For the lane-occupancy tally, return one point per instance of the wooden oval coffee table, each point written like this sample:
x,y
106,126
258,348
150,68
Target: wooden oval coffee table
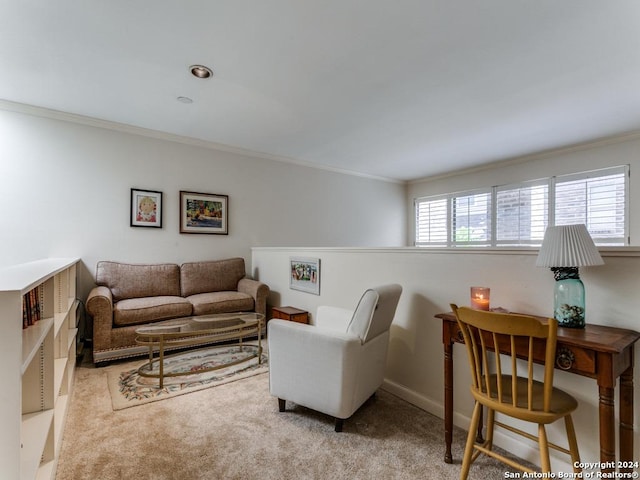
x,y
201,330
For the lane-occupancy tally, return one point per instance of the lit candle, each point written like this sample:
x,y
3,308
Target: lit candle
x,y
480,298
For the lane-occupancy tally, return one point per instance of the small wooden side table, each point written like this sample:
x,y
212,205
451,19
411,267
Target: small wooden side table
x,y
290,313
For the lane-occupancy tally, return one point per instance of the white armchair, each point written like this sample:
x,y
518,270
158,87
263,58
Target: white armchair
x,y
335,365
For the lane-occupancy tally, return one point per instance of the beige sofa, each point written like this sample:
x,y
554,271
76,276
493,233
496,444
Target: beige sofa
x,y
130,295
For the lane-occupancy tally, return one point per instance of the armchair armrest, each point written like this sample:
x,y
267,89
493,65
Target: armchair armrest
x,y
329,360
100,306
258,290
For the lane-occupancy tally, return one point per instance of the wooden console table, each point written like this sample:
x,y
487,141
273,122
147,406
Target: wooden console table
x,y
599,352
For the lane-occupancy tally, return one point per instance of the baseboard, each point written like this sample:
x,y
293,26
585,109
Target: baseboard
x,y
425,403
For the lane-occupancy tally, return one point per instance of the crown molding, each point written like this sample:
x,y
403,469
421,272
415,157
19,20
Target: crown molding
x,y
578,147
170,137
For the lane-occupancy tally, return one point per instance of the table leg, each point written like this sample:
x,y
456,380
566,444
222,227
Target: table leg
x,y
161,363
448,401
607,428
626,416
259,342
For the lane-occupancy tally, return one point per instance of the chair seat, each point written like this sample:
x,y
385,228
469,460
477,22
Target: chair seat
x,y
561,402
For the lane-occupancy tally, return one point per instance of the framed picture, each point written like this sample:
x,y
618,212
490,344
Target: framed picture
x,y
305,274
146,208
204,213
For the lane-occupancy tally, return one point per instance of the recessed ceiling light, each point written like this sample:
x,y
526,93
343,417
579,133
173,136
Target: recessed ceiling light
x,y
184,100
200,71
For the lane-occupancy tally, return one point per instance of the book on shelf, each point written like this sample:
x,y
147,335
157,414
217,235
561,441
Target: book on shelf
x,y
31,311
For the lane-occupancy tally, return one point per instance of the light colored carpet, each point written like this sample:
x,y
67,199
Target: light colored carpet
x,y
234,431
129,389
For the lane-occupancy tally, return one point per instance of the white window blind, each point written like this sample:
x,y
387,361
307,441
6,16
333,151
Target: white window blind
x,y
522,213
597,199
471,216
432,222
518,214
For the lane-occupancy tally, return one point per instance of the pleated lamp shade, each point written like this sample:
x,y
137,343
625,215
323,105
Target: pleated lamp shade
x,y
568,246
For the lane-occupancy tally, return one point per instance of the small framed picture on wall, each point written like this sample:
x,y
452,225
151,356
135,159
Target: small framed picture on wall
x,y
146,208
304,274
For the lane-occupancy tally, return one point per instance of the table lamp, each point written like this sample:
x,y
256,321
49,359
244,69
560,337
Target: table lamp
x,y
564,249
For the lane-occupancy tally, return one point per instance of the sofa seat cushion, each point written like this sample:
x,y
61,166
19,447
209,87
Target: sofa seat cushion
x,y
221,302
134,311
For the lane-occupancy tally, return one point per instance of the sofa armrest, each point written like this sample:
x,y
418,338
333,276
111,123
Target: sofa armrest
x,y
100,306
258,290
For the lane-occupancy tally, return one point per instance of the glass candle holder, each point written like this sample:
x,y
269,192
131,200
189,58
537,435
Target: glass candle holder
x,y
480,297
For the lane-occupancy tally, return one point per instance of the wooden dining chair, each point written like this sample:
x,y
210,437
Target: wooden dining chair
x,y
504,384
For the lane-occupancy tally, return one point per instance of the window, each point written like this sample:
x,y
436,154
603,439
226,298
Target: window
x,y
432,222
522,213
598,201
471,216
454,220
518,215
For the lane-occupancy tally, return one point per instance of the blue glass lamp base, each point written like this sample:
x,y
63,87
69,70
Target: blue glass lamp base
x,y
569,302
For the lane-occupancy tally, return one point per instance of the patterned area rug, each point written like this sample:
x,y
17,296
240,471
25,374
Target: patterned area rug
x,y
128,388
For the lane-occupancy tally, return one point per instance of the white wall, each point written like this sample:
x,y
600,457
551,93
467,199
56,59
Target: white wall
x,y
431,280
66,192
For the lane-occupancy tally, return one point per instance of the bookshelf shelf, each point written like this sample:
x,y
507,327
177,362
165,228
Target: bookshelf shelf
x,y
35,428
38,329
32,338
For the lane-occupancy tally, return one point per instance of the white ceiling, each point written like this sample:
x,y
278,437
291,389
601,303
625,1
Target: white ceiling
x,y
396,89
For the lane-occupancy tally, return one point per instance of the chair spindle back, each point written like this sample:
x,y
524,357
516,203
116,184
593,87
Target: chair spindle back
x,y
492,335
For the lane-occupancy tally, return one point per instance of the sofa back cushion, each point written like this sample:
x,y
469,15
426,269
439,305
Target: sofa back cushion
x,y
211,276
126,280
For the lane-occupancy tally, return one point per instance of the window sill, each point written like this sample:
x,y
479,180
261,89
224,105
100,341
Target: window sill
x,y
628,251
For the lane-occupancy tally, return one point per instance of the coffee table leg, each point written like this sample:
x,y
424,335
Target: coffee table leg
x,y
260,342
161,362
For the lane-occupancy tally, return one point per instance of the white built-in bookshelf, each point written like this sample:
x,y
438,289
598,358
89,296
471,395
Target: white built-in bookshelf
x,y
38,329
